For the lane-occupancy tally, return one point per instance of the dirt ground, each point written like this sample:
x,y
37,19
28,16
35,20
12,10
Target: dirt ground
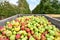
x,y
53,15
57,16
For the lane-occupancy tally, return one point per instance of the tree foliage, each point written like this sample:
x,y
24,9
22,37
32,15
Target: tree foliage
x,y
23,6
47,6
7,9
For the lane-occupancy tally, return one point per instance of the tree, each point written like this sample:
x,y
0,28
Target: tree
x,y
23,6
7,9
36,10
48,6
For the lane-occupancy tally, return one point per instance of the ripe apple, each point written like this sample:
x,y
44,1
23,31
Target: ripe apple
x,y
31,38
26,18
15,23
2,28
4,32
14,32
46,32
12,37
27,29
18,36
10,26
22,28
28,35
22,23
8,33
17,20
32,32
6,39
16,28
43,37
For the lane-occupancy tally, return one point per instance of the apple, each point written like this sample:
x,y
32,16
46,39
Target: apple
x,y
12,37
22,28
22,36
18,39
18,36
32,32
51,32
6,39
43,37
31,38
17,20
27,29
4,33
10,26
16,28
28,35
8,33
22,23
49,39
26,18
24,39
46,32
12,29
2,28
15,23
14,32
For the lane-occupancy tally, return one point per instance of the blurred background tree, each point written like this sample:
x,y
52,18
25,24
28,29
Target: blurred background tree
x,y
44,7
7,9
48,6
23,6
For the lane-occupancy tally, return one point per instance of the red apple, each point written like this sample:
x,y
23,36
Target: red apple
x,y
46,32
3,38
28,35
3,33
37,38
18,36
22,24
17,20
10,25
2,28
22,28
32,32
27,29
6,39
27,18
43,37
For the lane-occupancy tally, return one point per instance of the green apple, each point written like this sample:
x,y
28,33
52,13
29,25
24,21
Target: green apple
x,y
22,36
22,32
49,39
49,26
12,29
31,38
18,39
52,37
47,35
15,23
51,32
8,33
12,37
24,39
58,38
14,32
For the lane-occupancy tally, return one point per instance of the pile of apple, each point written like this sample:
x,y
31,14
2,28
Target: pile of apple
x,y
29,28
